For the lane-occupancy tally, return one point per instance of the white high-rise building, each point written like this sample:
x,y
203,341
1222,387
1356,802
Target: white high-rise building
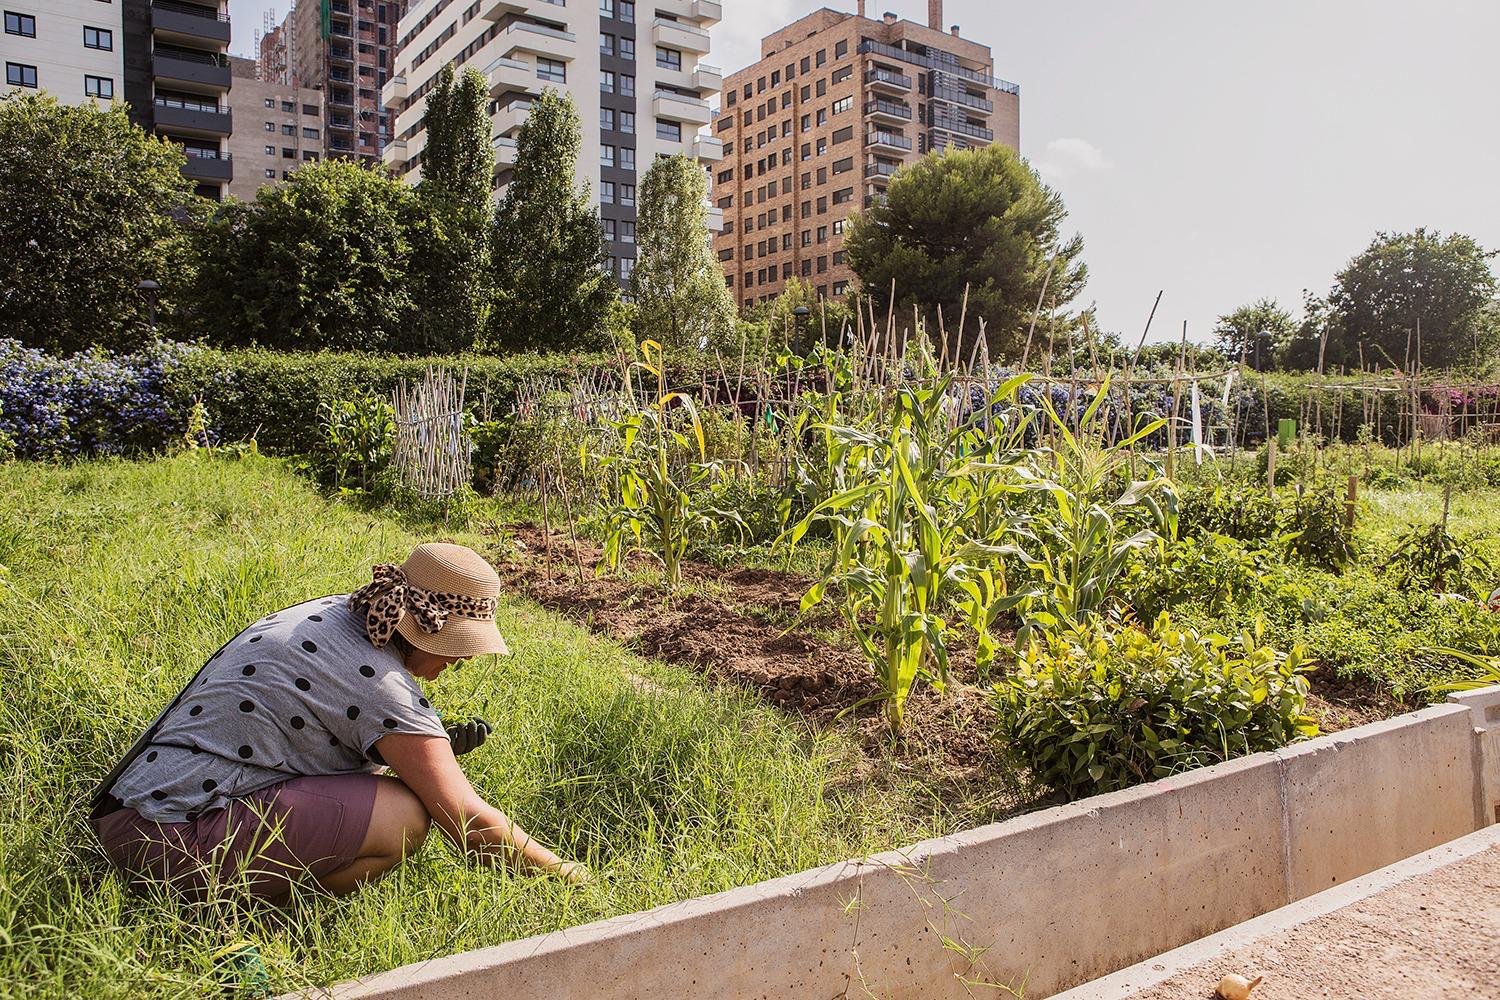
x,y
73,49
633,69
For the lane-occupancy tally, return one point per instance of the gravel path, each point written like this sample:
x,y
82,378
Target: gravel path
x,y
1433,936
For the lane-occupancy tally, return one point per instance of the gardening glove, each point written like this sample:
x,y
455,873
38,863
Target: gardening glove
x,y
468,736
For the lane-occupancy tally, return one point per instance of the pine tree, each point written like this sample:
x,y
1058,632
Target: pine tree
x,y
547,248
450,229
678,285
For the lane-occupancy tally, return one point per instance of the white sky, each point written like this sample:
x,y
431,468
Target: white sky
x,y
1219,151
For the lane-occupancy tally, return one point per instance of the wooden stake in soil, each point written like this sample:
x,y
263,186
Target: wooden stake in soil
x,y
1271,465
1351,502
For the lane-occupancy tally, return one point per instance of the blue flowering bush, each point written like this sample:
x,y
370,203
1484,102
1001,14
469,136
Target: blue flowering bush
x,y
90,403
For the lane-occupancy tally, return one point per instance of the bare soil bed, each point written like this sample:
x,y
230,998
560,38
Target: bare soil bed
x,y
741,626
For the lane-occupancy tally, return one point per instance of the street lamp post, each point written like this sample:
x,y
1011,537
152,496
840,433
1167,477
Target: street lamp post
x,y
149,290
1260,338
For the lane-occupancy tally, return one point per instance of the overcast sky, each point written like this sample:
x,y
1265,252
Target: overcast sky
x,y
1220,151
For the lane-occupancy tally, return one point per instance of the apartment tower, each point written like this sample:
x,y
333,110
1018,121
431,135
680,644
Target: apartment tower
x,y
177,81
836,105
70,48
632,69
280,127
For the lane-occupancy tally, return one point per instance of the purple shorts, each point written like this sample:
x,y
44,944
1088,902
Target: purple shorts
x,y
260,845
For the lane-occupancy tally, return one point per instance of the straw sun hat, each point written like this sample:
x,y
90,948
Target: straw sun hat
x,y
442,600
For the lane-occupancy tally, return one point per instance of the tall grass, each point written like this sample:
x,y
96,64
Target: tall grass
x,y
119,578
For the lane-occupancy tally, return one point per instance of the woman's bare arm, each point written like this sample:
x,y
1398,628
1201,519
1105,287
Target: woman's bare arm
x,y
427,766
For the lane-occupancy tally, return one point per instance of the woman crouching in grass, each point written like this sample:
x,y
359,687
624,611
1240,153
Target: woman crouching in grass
x,y
263,771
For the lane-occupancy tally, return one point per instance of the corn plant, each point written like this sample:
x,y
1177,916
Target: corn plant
x,y
1079,533
656,502
902,545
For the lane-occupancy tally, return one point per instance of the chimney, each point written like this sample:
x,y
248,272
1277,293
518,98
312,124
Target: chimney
x,y
935,14
888,17
954,30
861,8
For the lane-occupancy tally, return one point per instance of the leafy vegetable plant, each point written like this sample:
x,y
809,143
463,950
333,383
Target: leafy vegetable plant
x,y
1091,709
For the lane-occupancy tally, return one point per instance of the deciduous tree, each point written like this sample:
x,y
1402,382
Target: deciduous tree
x,y
1238,335
978,219
88,209
549,261
678,284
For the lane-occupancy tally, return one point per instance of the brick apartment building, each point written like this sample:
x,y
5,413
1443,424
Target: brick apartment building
x,y
814,131
344,48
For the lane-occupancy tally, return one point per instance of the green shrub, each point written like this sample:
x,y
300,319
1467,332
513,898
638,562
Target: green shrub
x,y
1093,709
274,396
1214,570
1310,525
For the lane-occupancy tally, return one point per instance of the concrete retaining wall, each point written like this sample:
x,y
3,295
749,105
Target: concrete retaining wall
x,y
1045,901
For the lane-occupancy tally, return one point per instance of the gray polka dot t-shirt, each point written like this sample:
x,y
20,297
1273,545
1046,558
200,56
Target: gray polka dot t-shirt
x,y
300,692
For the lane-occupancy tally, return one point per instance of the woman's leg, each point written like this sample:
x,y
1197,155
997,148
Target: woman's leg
x,y
398,825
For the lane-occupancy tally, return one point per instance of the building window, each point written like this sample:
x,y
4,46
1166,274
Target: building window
x,y
309,154
668,58
842,104
842,74
270,173
843,135
607,155
609,229
551,70
287,129
627,49
627,194
606,192
841,49
627,85
309,133
627,158
270,150
627,11
838,227
271,103
843,166
270,126
627,231
310,109
822,56
99,86
627,268
606,82
606,8
289,107
20,24
98,38
606,119
288,153
20,75
627,122
607,44
669,131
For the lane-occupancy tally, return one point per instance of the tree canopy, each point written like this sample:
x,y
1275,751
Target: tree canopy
x,y
1239,335
979,219
1402,279
678,285
554,291
87,206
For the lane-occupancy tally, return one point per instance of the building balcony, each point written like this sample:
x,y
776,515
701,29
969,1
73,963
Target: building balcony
x,y
497,10
395,91
888,140
189,22
955,95
341,123
715,220
680,108
340,54
208,169
965,129
679,35
888,112
509,119
885,80
199,121
879,172
505,151
700,12
706,149
195,69
512,76
539,39
702,79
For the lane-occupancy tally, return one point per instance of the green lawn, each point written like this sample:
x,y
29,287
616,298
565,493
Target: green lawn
x,y
118,578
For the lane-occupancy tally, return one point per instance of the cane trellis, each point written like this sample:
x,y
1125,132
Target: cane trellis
x,y
433,447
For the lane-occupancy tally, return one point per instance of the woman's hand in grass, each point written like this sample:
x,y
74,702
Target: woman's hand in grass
x,y
427,766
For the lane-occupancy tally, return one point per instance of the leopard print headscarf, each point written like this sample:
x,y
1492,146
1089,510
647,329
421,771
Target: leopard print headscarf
x,y
390,593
